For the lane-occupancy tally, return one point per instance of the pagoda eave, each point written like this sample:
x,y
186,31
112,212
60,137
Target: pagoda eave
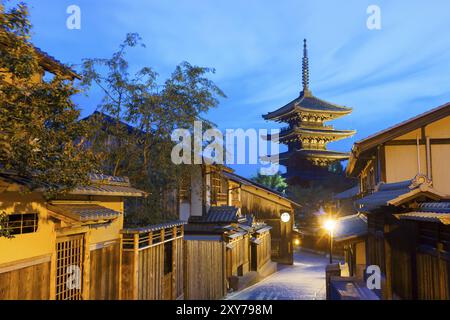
x,y
310,153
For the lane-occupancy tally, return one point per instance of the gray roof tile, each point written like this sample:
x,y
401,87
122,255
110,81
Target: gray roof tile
x,y
350,227
84,212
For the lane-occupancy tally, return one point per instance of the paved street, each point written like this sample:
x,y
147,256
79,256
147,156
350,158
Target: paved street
x,y
305,280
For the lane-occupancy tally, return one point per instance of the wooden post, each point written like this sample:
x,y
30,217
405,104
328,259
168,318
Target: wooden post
x,y
387,262
52,293
443,273
86,266
174,265
120,267
161,269
135,279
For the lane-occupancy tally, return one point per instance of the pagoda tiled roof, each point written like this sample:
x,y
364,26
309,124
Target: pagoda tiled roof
x,y
308,103
313,153
319,131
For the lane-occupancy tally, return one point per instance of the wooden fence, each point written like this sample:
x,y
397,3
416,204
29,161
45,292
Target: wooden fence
x,y
152,262
105,272
18,280
238,256
261,249
205,265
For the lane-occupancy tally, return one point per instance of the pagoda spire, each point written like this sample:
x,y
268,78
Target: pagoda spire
x,y
305,71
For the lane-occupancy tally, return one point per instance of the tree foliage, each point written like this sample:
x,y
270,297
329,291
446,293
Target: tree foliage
x,y
275,182
40,133
137,116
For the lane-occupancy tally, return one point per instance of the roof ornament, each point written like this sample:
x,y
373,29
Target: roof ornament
x,y
421,180
305,71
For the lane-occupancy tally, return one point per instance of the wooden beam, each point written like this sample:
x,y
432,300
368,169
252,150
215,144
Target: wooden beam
x,y
86,267
24,263
413,142
383,162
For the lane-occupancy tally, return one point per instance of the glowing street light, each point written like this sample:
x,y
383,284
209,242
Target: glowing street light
x,y
330,226
285,217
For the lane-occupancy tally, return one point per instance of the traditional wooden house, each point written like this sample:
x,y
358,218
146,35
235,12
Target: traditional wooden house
x,y
212,186
68,247
235,250
404,181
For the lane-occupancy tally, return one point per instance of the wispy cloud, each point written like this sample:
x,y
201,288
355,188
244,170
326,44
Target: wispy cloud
x,y
386,76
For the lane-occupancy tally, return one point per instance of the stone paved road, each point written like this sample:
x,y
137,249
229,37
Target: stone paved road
x,y
304,280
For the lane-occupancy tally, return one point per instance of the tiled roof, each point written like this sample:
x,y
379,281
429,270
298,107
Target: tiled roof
x,y
155,227
223,214
305,153
347,194
100,185
307,103
48,62
350,227
263,229
109,180
398,193
438,207
316,131
429,211
385,193
84,212
108,185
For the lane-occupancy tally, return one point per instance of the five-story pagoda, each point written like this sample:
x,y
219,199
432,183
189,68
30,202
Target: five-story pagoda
x,y
308,158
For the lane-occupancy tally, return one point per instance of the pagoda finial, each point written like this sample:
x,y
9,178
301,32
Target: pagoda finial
x,y
305,70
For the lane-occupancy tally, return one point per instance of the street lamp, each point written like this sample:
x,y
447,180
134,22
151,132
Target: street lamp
x,y
285,217
330,225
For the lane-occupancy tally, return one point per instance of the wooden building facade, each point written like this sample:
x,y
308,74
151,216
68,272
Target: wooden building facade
x,y
228,250
65,248
404,191
216,186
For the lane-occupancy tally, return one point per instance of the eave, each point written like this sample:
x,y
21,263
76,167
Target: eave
x,y
364,146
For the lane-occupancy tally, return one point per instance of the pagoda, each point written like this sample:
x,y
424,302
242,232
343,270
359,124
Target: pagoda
x,y
307,135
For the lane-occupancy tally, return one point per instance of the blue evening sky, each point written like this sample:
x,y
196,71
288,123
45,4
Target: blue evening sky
x,y
386,75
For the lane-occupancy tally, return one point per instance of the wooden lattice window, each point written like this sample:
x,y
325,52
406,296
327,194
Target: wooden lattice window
x,y
69,267
219,188
22,223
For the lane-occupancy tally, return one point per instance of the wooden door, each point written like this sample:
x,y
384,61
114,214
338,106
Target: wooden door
x,y
168,286
69,267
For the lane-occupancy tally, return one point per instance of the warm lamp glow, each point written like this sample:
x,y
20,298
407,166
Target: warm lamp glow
x,y
296,242
285,217
330,225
